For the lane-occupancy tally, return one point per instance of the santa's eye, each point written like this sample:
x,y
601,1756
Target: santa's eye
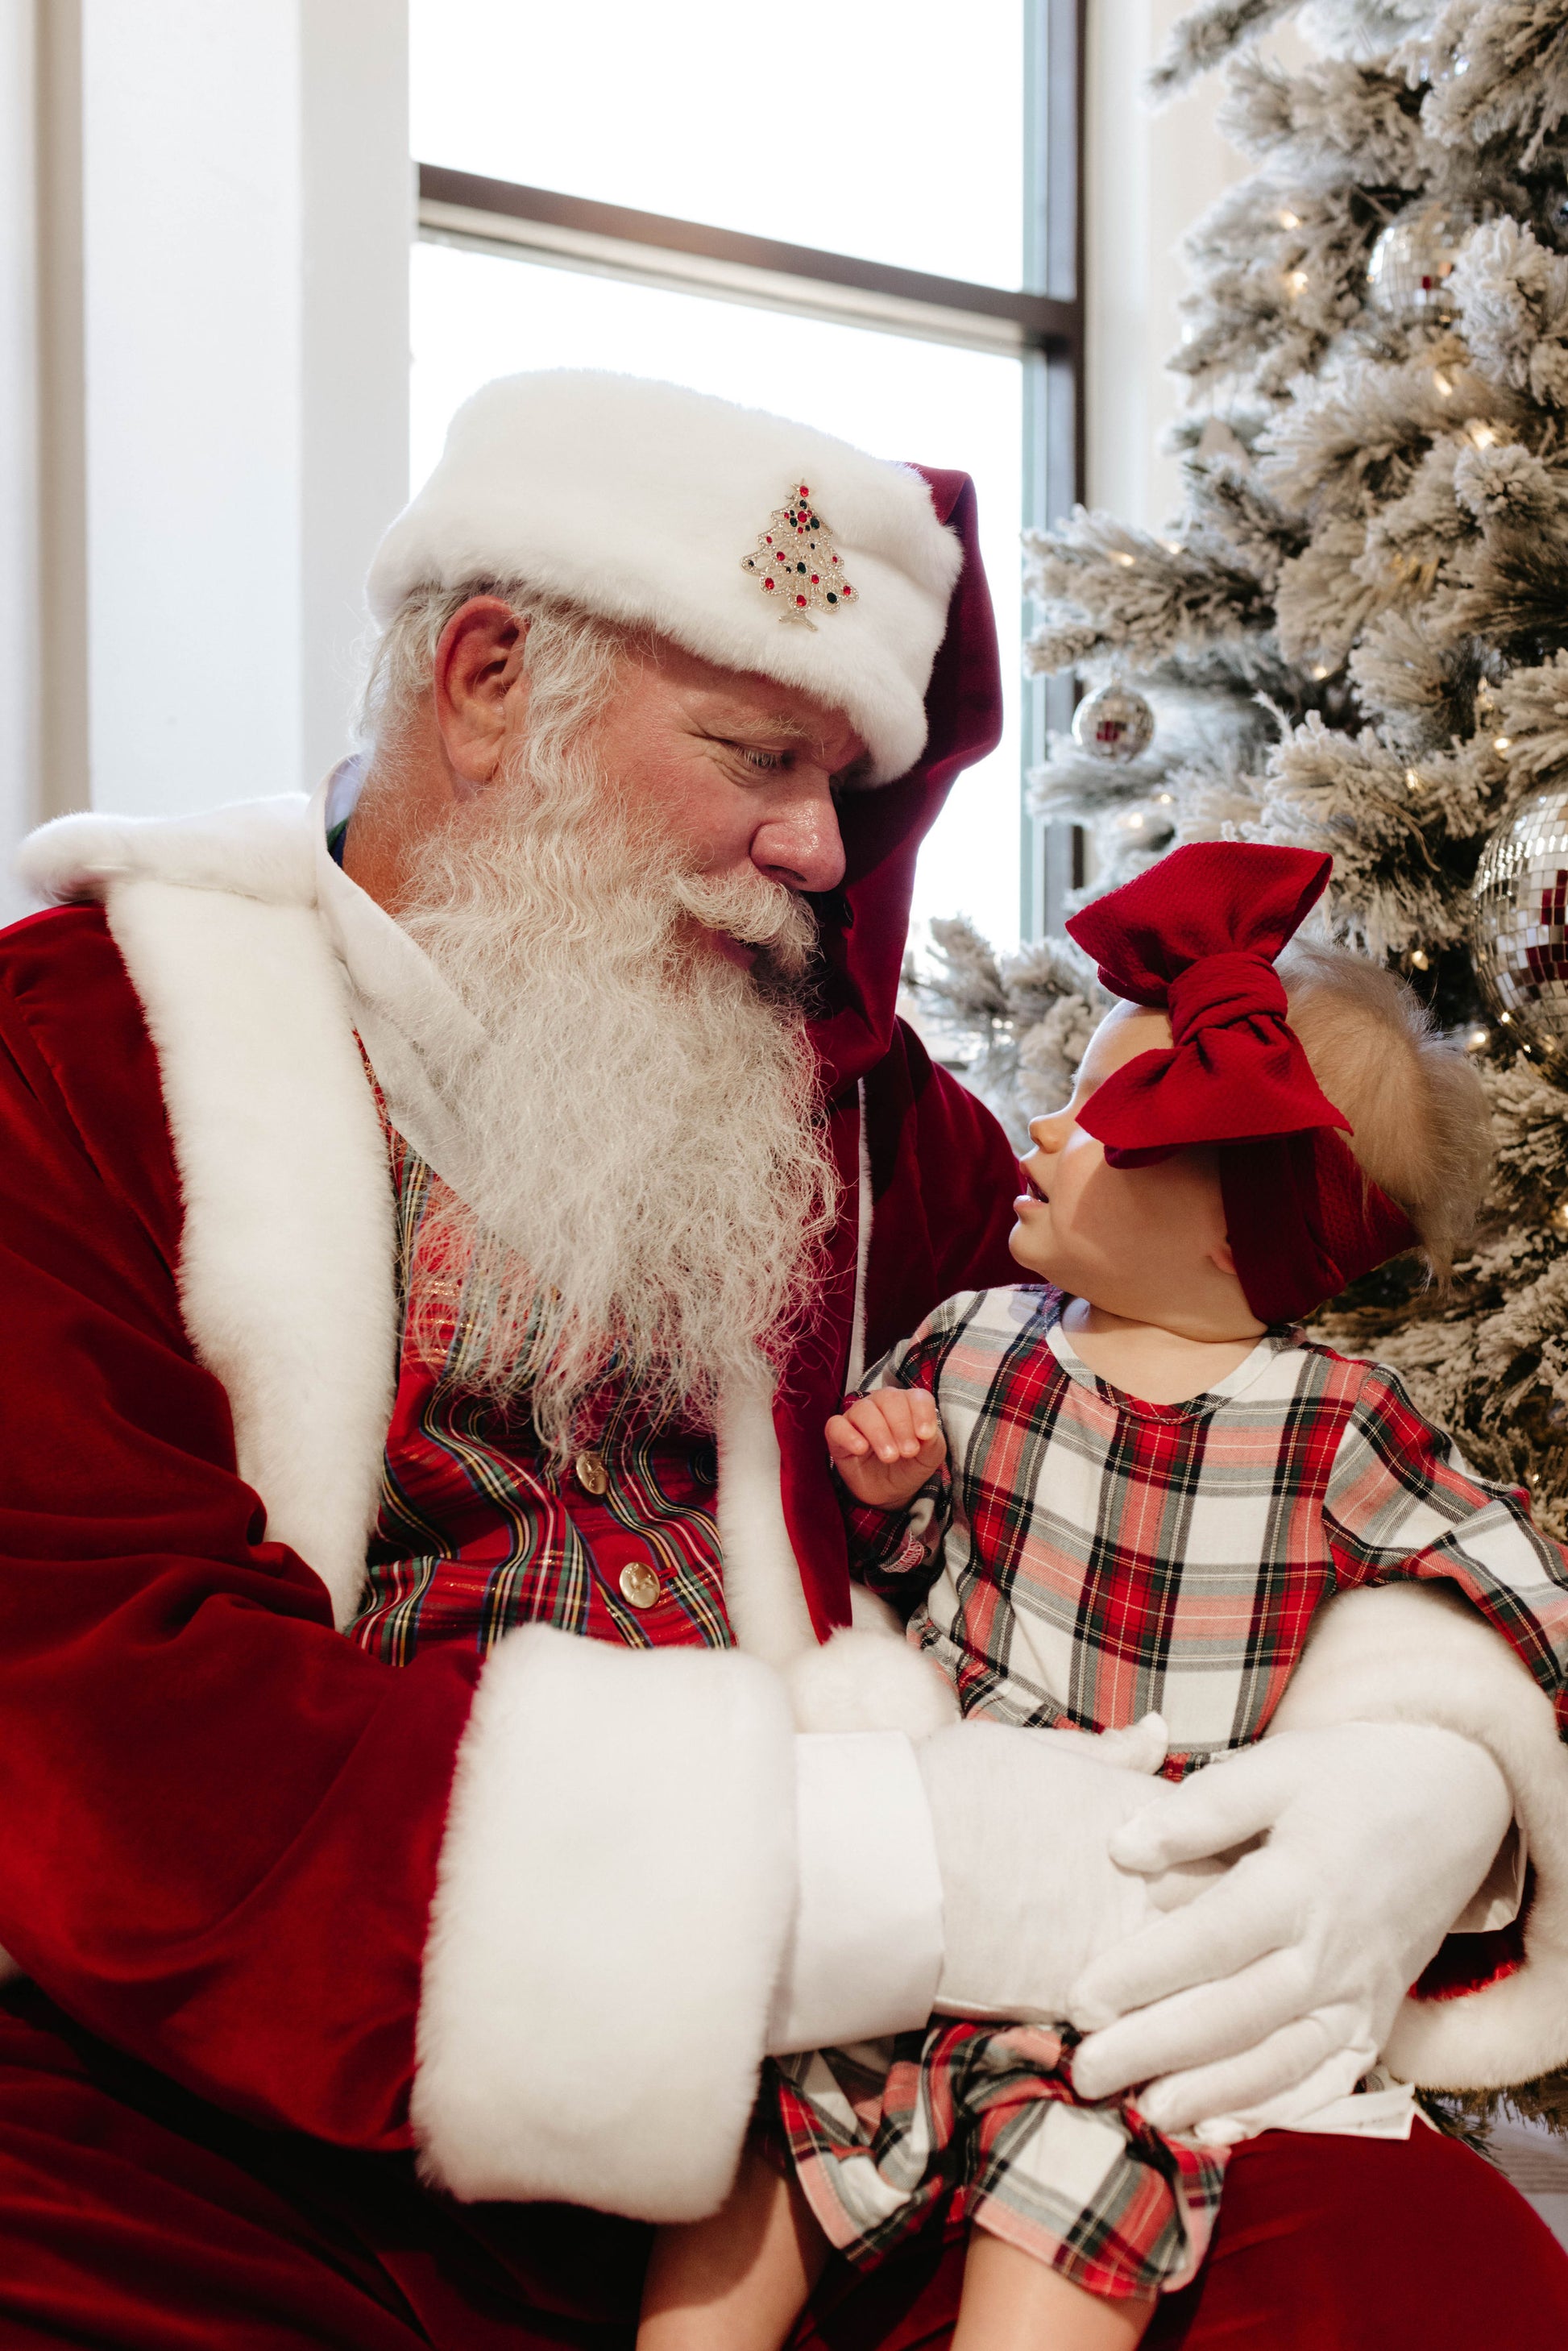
x,y
770,762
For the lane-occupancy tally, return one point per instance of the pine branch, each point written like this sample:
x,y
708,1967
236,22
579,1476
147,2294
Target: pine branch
x,y
1329,122
1139,597
1512,83
1208,33
1512,302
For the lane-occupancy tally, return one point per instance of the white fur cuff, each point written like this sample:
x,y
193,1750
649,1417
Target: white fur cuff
x,y
616,1884
1412,1652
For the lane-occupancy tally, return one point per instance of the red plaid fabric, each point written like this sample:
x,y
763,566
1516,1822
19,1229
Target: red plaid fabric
x,y
478,1532
969,2123
1089,1558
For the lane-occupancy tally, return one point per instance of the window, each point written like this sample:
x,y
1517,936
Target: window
x,y
850,217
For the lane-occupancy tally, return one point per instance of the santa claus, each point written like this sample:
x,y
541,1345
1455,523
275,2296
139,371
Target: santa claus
x,y
439,1217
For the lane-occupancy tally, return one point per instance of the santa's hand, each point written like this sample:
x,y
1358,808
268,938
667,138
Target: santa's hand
x,y
886,1445
1275,1988
1024,1823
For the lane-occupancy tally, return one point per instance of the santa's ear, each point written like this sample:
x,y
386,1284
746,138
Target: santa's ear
x,y
1222,1256
479,686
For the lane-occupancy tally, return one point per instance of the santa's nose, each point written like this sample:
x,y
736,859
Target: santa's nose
x,y
801,847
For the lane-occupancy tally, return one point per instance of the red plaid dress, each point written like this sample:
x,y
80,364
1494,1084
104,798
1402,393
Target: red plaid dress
x,y
1083,1559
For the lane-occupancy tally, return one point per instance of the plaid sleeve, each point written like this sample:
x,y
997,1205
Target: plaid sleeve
x,y
889,1547
1402,1503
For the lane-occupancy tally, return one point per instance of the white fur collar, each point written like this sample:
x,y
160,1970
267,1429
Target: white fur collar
x,y
286,1255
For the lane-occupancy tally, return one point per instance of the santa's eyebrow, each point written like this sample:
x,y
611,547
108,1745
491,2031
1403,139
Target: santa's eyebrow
x,y
776,725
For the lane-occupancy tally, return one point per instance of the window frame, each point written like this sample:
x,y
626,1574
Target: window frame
x,y
1041,323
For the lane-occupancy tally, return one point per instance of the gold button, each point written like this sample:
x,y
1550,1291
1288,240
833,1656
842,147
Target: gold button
x,y
591,1474
639,1584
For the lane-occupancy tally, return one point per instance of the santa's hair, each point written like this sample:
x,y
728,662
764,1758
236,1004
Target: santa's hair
x,y
572,658
1421,1127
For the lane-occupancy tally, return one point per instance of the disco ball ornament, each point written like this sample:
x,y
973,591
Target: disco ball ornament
x,y
1518,926
1114,723
1411,264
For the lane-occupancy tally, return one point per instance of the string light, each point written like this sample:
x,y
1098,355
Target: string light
x,y
1443,383
1320,669
1287,218
1558,1219
1411,780
1119,556
1478,1036
1164,798
1502,742
1483,434
1420,959
1298,281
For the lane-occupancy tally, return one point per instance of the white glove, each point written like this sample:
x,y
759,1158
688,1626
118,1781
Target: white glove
x,y
1274,1989
1023,1820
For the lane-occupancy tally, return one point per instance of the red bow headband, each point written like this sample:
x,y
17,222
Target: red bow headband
x,y
1197,935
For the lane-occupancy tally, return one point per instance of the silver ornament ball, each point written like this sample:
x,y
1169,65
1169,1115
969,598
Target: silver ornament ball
x,y
1518,926
1114,723
1411,264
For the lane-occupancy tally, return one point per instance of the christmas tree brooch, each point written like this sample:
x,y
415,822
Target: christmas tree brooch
x,y
795,564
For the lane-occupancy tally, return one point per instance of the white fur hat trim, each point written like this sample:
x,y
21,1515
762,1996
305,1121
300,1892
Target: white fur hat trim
x,y
641,502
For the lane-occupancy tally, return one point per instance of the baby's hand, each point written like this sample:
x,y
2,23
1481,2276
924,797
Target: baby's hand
x,y
886,1446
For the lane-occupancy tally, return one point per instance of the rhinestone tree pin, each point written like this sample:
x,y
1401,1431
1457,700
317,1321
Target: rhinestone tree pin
x,y
795,563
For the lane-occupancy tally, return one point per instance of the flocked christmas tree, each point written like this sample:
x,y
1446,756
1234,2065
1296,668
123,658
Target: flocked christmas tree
x,y
1354,636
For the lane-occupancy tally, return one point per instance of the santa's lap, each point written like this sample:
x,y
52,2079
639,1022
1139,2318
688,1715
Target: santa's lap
x,y
132,2214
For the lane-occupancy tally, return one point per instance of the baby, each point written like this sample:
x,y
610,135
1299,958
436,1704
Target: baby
x,y
1124,1487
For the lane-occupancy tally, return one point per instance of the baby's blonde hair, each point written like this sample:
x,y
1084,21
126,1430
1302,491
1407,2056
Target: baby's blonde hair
x,y
1421,1127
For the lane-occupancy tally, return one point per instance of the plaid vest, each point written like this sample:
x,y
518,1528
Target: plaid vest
x,y
480,1532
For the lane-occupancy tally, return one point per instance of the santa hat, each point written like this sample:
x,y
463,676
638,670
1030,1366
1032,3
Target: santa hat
x,y
757,544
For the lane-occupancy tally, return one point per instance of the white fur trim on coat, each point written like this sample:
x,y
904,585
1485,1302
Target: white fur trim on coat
x,y
1411,1652
640,500
287,1252
762,1592
870,1677
616,1886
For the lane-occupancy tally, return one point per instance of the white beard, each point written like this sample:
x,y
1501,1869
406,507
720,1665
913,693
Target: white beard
x,y
651,1152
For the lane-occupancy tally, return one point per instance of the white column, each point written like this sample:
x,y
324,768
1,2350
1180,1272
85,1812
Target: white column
x,y
204,389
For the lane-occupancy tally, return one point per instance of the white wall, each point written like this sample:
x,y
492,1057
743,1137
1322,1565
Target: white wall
x,y
192,227
203,420
1148,178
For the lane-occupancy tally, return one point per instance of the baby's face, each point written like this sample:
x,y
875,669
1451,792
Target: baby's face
x,y
1144,1242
